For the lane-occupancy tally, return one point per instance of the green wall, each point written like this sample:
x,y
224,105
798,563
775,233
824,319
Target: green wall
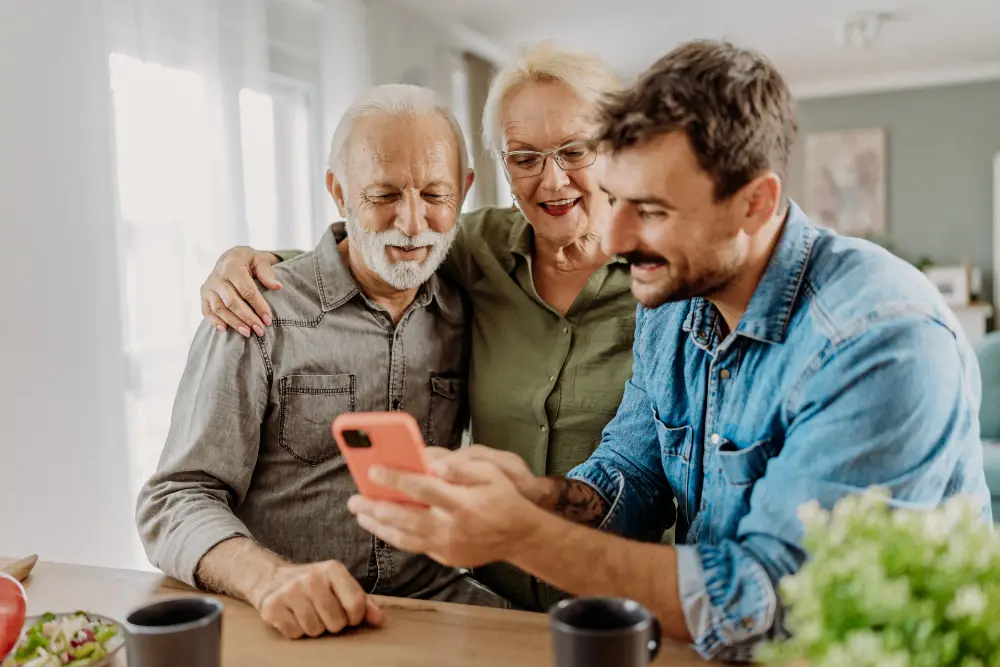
x,y
941,143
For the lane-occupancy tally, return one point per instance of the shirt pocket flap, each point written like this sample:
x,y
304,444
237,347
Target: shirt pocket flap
x,y
317,384
743,467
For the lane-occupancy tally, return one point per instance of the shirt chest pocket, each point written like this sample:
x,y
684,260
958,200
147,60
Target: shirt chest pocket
x,y
445,413
308,405
744,466
675,441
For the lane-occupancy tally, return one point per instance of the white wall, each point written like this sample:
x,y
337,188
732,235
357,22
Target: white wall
x,y
63,461
64,468
406,48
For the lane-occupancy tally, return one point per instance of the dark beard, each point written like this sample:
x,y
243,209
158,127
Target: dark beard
x,y
704,286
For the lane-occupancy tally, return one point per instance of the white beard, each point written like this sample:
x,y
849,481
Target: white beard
x,y
405,274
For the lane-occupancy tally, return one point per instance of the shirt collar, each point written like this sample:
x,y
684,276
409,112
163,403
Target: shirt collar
x,y
770,308
335,282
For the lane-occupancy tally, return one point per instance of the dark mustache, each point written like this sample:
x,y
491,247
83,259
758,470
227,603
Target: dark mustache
x,y
636,257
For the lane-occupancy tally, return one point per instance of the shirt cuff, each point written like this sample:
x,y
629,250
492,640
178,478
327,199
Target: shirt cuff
x,y
695,604
200,535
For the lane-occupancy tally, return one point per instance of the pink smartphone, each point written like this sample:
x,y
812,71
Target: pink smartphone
x,y
390,439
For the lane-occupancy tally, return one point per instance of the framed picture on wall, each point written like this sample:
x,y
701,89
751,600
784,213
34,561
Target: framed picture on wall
x,y
845,181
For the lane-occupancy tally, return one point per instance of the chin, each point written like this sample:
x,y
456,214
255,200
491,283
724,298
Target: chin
x,y
562,231
653,296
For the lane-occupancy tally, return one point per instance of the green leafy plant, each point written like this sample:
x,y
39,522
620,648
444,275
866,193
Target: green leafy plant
x,y
893,588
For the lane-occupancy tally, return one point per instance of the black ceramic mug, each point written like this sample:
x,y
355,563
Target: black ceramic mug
x,y
180,632
604,632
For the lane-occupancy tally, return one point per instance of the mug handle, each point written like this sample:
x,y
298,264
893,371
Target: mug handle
x,y
655,640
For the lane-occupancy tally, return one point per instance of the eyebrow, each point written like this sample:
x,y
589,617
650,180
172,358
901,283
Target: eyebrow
x,y
574,138
656,201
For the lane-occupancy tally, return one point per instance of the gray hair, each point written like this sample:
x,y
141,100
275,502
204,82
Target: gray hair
x,y
395,100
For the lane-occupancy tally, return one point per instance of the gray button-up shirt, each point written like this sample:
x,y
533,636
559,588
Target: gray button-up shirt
x,y
250,452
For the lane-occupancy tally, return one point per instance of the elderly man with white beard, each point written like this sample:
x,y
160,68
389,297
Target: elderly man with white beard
x,y
249,498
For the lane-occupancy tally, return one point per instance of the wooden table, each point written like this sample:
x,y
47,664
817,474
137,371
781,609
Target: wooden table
x,y
434,634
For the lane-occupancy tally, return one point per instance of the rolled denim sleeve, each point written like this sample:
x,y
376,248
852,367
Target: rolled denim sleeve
x,y
186,507
894,405
625,468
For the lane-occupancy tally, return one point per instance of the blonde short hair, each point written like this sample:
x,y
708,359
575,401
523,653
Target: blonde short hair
x,y
586,74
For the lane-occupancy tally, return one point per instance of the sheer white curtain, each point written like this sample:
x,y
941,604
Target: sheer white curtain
x,y
202,150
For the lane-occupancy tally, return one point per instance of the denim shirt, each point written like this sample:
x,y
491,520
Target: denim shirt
x,y
847,370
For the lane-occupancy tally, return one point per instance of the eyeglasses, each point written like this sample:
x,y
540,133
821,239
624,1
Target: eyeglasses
x,y
523,164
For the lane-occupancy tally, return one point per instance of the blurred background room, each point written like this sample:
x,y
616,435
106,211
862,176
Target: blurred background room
x,y
141,138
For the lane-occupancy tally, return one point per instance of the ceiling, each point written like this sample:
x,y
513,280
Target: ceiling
x,y
925,40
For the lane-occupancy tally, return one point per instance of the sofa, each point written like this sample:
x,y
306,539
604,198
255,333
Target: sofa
x,y
988,353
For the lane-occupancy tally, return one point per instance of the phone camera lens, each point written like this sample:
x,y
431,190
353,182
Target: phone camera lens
x,y
357,439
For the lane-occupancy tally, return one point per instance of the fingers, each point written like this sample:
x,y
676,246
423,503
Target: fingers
x,y
393,535
233,299
248,292
318,598
373,613
352,600
303,603
212,318
278,614
434,454
265,274
425,488
468,472
218,308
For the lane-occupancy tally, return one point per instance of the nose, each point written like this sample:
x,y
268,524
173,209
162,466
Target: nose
x,y
618,233
553,176
411,214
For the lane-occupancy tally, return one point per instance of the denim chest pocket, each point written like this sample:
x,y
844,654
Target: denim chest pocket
x,y
744,466
308,405
675,441
444,429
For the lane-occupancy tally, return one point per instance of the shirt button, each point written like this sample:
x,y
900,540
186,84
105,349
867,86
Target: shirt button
x,y
715,438
552,378
724,374
565,330
543,428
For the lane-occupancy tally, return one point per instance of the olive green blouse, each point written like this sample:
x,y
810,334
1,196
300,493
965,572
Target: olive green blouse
x,y
541,384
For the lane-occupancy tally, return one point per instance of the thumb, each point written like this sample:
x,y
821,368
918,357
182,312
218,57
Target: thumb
x,y
373,613
265,274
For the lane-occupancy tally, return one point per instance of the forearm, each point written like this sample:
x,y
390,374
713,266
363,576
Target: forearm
x,y
587,562
571,499
237,567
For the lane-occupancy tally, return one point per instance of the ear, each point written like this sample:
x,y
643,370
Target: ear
x,y
760,201
336,190
470,178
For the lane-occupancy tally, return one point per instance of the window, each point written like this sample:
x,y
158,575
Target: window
x,y
198,170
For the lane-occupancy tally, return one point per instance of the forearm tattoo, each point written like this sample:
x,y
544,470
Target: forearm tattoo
x,y
580,502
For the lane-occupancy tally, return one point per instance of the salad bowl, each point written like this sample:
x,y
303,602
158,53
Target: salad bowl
x,y
74,639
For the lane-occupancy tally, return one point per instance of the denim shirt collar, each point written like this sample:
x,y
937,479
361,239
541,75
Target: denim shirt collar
x,y
770,308
335,282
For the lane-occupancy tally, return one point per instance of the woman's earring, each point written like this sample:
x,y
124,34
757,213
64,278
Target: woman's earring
x,y
514,206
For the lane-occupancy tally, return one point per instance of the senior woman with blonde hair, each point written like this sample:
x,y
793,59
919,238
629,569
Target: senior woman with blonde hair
x,y
553,317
